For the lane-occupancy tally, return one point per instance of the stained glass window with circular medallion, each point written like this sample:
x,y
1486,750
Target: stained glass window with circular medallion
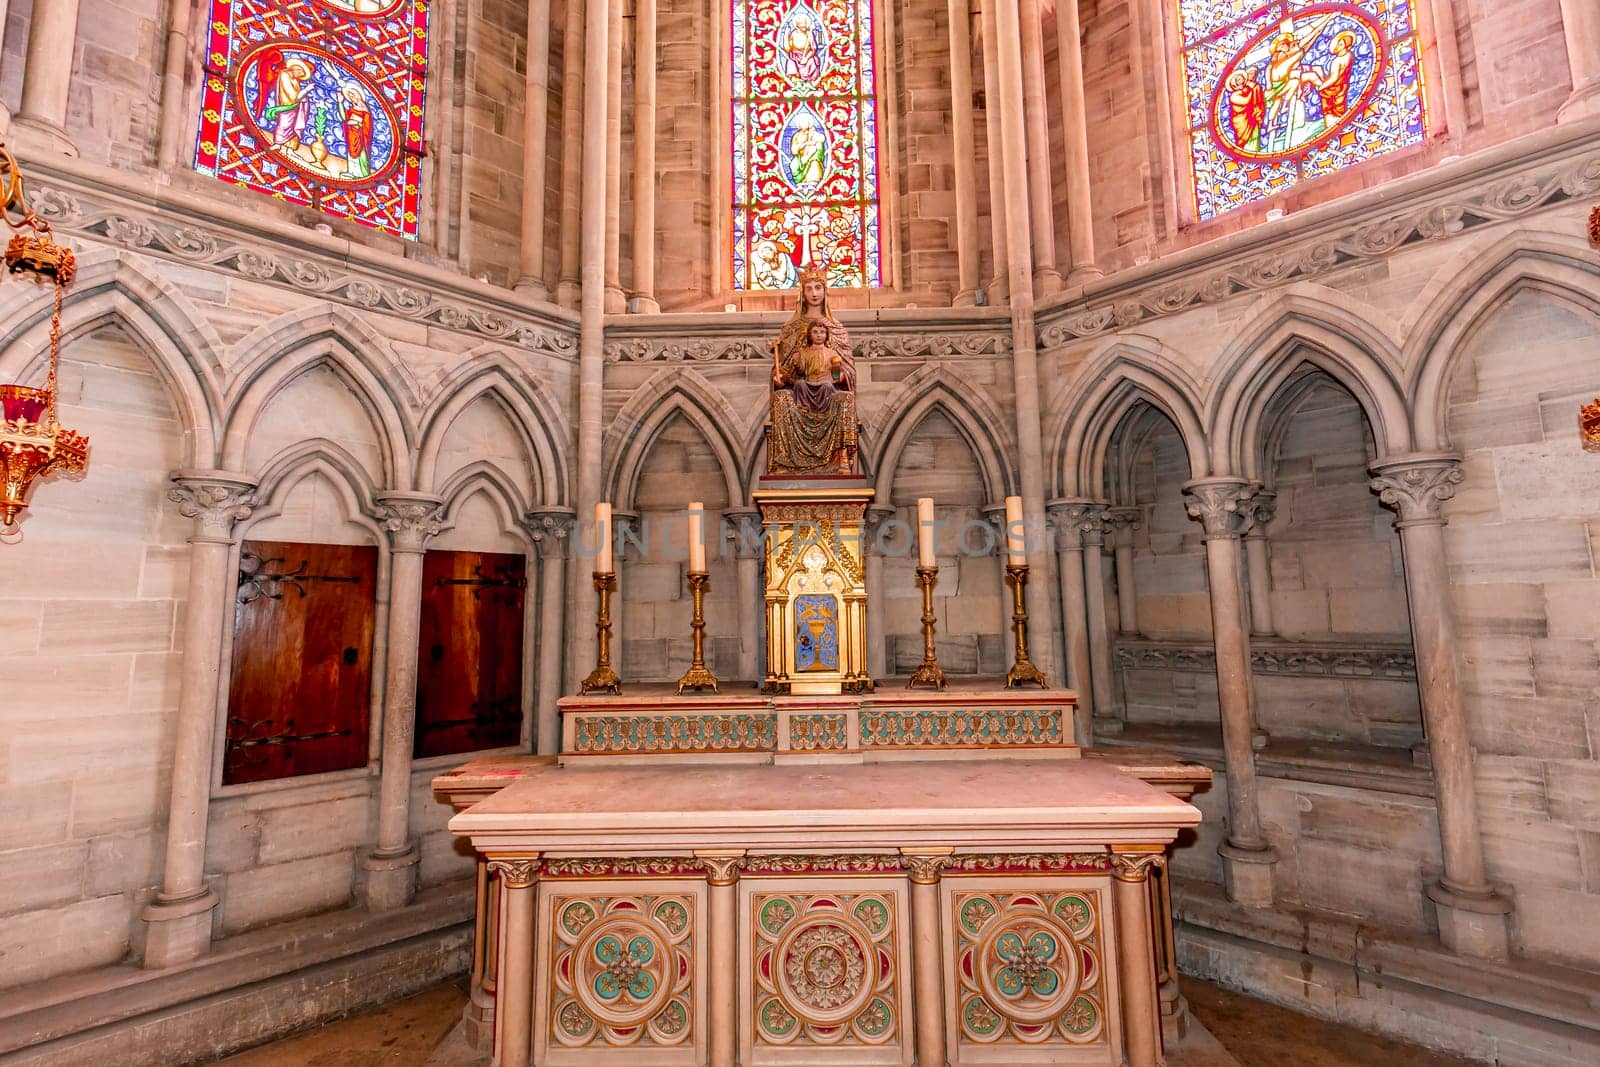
x,y
319,102
805,143
1281,91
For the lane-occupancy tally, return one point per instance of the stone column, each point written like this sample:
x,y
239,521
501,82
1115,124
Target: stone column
x,y
624,525
1141,1016
1101,679
1580,20
964,155
551,531
722,936
1124,521
998,291
1222,505
176,132
179,918
1075,130
741,528
535,109
410,519
922,865
572,133
1066,516
879,664
41,120
1472,916
616,303
644,157
519,879
1024,339
1258,564
1036,117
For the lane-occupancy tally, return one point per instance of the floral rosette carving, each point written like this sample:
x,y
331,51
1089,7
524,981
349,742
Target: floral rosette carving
x,y
623,971
1029,967
826,969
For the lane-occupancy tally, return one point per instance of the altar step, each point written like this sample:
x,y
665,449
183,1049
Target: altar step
x,y
969,719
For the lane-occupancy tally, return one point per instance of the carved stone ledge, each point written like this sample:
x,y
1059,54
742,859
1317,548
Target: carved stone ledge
x,y
1297,658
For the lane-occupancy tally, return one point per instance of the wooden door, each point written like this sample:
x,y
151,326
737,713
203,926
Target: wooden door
x,y
300,694
469,655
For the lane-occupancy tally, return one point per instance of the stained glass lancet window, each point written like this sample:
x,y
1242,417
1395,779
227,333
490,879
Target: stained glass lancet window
x,y
805,143
318,102
1281,91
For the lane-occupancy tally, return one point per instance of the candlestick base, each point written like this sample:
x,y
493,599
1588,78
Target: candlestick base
x,y
603,679
698,676
1022,671
928,673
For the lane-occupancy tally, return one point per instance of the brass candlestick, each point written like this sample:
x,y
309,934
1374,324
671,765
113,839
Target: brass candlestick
x,y
698,677
928,672
1022,671
603,679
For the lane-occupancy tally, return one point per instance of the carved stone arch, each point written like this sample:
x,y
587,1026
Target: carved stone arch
x,y
540,427
1294,331
486,478
979,424
113,288
1280,412
1554,265
1140,422
633,432
1126,374
273,357
318,455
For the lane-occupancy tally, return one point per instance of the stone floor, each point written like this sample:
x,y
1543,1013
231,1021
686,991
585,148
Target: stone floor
x,y
1243,1032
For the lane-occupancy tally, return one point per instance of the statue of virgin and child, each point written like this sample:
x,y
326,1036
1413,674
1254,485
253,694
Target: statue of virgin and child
x,y
813,428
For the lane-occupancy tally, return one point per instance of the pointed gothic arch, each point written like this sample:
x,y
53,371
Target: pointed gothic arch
x,y
540,428
671,392
974,418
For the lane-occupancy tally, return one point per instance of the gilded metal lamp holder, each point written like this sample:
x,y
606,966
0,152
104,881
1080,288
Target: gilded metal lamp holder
x,y
698,677
1589,426
928,672
1022,672
32,442
603,679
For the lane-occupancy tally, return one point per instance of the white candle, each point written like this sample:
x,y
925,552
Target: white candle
x,y
925,557
697,537
1016,545
602,525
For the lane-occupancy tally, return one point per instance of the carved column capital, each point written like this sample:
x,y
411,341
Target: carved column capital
x,y
410,519
1262,509
1124,521
1416,486
1093,525
1220,504
743,531
516,872
215,500
924,867
1135,866
1067,517
550,529
624,526
721,869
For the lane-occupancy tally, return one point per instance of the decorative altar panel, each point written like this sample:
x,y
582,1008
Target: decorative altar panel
x,y
300,691
469,657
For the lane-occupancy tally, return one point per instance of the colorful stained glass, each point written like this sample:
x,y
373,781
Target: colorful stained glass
x,y
805,143
319,102
1279,91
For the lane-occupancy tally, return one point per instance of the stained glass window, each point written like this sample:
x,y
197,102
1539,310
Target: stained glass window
x,y
1281,91
319,102
805,143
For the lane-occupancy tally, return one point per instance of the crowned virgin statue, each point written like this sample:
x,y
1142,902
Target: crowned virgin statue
x,y
813,427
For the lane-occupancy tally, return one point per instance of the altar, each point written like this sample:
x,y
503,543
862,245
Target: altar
x,y
961,912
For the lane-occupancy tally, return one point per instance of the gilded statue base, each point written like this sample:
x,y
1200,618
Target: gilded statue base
x,y
816,593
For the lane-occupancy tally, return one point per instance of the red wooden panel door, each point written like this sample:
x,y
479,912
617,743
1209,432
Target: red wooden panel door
x,y
469,655
300,694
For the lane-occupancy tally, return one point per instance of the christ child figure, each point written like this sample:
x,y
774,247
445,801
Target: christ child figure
x,y
813,369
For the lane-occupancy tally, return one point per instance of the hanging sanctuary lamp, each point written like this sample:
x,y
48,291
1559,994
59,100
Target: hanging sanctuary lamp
x,y
32,442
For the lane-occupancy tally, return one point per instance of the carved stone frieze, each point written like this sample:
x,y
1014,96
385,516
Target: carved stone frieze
x,y
1464,206
799,863
623,867
969,344
1030,863
1290,658
167,234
